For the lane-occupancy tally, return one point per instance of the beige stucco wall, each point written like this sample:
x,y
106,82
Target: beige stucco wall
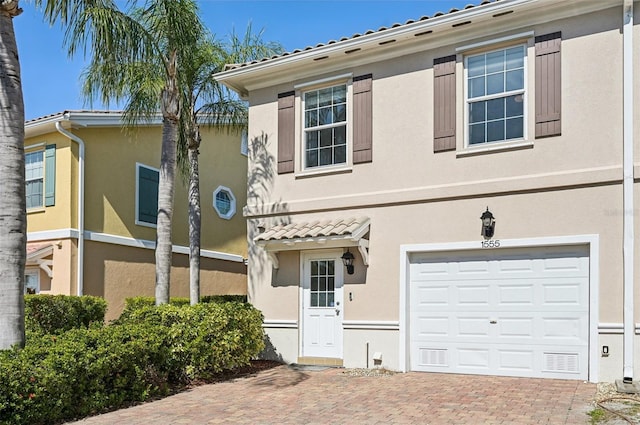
x,y
559,186
117,272
518,216
64,263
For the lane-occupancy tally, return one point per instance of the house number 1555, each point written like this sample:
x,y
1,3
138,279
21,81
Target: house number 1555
x,y
491,244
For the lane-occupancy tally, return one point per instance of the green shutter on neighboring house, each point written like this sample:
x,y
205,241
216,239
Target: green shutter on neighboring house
x,y
148,195
50,175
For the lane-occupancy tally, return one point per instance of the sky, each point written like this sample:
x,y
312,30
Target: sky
x,y
51,80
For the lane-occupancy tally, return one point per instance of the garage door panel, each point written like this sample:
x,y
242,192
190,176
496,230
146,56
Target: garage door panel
x,y
516,295
520,313
473,327
476,295
431,326
431,296
572,330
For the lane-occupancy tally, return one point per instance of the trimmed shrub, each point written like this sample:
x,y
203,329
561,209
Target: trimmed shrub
x,y
81,372
137,303
223,299
54,314
65,376
205,338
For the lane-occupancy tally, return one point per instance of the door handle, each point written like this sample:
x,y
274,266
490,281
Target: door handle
x,y
493,322
337,309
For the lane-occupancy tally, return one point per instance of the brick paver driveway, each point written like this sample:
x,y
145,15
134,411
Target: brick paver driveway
x,y
286,396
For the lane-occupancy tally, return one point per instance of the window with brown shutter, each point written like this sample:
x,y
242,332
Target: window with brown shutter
x,y
286,132
444,99
362,119
548,85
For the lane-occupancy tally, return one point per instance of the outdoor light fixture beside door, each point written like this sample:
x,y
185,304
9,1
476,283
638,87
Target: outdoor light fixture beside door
x,y
488,224
347,259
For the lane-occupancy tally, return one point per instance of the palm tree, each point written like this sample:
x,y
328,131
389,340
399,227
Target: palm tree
x,y
207,100
13,219
137,56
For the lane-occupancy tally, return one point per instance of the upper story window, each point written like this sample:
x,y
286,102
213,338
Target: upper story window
x,y
34,179
500,101
496,95
328,127
147,195
40,176
224,202
325,126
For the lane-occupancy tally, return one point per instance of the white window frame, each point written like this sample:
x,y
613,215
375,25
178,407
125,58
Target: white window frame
x,y
301,89
27,180
244,143
137,208
490,47
32,272
232,207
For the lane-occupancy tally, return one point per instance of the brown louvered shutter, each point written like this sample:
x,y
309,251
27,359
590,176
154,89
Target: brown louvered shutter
x,y
548,88
362,119
444,104
286,132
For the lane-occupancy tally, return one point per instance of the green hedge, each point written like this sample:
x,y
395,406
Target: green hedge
x,y
137,303
90,370
53,314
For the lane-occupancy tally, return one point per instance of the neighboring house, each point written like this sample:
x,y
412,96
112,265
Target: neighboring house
x,y
92,207
389,146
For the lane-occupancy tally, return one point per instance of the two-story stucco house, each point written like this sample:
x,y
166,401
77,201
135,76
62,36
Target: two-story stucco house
x,y
92,203
391,145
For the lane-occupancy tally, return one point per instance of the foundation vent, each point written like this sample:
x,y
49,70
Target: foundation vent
x,y
433,357
561,362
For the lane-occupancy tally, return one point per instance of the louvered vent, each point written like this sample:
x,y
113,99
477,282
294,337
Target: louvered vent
x,y
433,357
561,362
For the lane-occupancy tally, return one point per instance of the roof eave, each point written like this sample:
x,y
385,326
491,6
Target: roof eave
x,y
302,64
239,79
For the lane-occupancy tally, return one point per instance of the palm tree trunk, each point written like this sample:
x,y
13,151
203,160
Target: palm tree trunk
x,y
166,183
13,222
195,220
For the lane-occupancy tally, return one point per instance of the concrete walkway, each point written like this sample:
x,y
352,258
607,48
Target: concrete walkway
x,y
332,396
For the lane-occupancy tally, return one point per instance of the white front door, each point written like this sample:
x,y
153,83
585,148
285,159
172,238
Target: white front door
x,y
322,306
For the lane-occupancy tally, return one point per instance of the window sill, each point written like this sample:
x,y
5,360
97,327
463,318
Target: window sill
x,y
324,172
145,224
491,148
36,210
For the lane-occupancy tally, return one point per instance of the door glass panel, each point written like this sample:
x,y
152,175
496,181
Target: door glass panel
x,y
322,287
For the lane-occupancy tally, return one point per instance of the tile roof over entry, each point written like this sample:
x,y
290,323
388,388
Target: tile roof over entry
x,y
355,227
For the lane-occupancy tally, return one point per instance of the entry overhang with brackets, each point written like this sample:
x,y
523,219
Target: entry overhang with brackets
x,y
339,233
36,256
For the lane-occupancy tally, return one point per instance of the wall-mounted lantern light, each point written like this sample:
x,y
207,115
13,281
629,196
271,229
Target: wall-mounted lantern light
x,y
488,224
347,259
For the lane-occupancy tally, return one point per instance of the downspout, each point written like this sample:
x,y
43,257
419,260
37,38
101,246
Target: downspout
x,y
628,230
80,143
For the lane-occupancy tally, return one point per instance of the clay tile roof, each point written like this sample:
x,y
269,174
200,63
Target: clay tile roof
x,y
367,32
31,248
314,229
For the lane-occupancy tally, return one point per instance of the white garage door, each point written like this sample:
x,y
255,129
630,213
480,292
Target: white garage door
x,y
509,312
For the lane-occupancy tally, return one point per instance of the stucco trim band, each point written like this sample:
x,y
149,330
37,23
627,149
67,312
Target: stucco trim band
x,y
125,241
